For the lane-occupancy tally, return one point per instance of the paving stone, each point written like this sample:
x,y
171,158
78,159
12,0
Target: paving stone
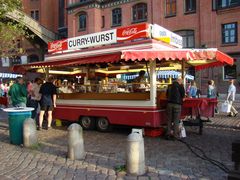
x,y
143,178
101,177
111,177
111,172
105,151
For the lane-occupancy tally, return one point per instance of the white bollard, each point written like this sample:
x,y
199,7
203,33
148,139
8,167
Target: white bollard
x,y
30,137
135,153
75,142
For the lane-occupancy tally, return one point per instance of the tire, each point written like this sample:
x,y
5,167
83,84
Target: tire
x,y
103,124
87,123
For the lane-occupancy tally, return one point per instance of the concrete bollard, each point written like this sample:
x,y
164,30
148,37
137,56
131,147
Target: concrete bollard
x,y
30,137
75,142
135,153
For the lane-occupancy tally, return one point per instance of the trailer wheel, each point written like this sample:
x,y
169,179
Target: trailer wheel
x,y
87,123
103,124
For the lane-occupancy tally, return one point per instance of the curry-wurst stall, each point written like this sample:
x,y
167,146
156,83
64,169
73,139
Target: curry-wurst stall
x,y
124,50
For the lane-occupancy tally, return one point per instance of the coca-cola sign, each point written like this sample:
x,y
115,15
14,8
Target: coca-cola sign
x,y
129,31
133,32
56,46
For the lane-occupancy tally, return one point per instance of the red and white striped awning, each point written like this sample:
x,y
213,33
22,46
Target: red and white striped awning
x,y
199,58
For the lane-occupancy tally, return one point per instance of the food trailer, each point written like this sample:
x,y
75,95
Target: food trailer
x,y
109,101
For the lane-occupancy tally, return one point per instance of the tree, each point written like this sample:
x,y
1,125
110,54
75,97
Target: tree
x,y
11,32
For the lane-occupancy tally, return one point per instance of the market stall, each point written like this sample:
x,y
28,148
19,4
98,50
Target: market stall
x,y
103,99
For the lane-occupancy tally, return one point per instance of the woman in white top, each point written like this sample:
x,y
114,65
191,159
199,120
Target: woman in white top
x,y
35,96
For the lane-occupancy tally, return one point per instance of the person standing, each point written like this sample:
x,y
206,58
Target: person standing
x,y
35,96
193,90
18,93
139,82
211,91
231,98
175,97
48,93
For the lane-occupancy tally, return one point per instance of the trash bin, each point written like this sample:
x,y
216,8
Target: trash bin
x,y
16,118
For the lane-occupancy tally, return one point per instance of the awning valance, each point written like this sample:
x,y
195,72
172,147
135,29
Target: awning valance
x,y
199,58
83,60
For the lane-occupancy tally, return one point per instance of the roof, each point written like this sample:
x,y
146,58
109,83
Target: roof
x,y
149,50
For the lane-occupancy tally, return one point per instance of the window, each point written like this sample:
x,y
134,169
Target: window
x,y
35,15
230,72
16,60
171,8
190,6
82,22
229,33
33,58
61,10
188,38
116,17
139,12
103,21
227,3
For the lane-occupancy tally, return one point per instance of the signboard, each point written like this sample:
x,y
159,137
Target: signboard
x,y
101,38
5,62
96,39
162,34
79,42
55,46
128,33
24,60
133,32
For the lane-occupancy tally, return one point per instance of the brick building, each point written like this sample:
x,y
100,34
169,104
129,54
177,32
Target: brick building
x,y
203,25
47,16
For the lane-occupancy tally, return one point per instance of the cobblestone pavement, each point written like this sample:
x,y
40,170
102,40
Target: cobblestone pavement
x,y
106,151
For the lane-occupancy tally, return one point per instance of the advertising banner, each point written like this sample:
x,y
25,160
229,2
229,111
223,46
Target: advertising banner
x,y
55,46
162,34
133,32
101,38
96,39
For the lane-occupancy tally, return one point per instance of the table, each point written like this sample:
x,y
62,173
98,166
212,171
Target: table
x,y
194,109
198,108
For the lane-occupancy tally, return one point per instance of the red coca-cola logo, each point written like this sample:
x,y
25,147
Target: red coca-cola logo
x,y
132,32
57,46
129,31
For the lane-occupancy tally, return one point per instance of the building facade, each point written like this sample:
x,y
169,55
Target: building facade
x,y
202,25
214,24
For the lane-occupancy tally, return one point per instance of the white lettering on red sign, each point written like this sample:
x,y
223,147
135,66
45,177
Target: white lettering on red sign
x,y
129,32
57,46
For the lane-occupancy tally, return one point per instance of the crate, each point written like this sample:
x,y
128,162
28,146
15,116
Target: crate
x,y
154,132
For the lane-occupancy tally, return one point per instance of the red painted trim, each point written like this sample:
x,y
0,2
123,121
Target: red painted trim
x,y
144,117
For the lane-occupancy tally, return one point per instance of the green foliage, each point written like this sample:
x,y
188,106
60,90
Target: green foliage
x,y
9,6
11,32
120,168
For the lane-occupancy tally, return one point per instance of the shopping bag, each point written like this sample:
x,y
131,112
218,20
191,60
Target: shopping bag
x,y
182,130
225,107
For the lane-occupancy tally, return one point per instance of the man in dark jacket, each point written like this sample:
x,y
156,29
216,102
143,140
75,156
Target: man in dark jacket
x,y
175,97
